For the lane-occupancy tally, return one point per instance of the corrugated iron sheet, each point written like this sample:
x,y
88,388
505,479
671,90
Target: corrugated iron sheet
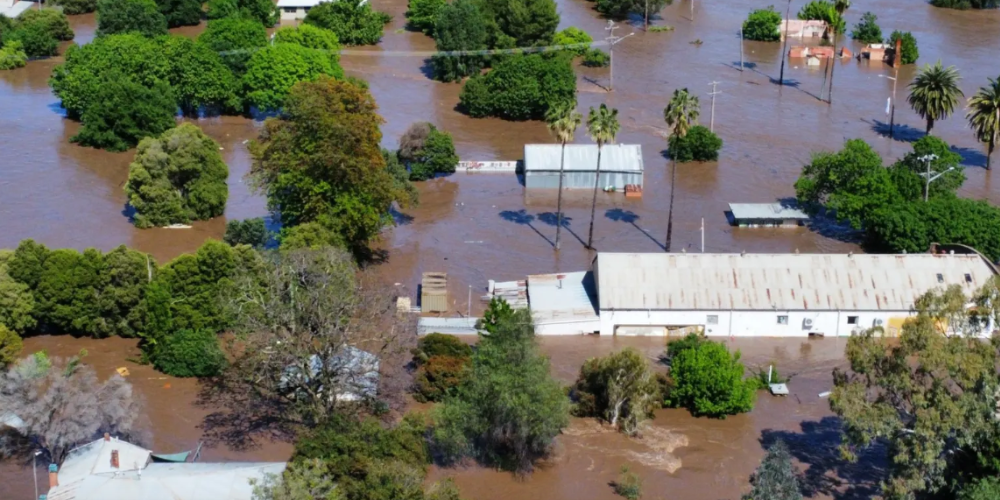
x,y
583,157
775,211
779,281
562,297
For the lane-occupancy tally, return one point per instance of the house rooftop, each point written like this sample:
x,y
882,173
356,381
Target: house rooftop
x,y
583,157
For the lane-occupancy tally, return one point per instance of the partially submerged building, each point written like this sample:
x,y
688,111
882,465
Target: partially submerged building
x,y
563,303
621,165
799,28
111,469
766,215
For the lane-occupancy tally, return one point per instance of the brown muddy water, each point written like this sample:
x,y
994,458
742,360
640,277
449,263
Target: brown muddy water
x,y
678,456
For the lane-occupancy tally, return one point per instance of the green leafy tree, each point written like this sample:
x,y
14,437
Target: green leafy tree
x,y
984,116
73,7
302,480
628,485
681,112
460,25
521,23
124,112
422,14
521,87
321,162
273,70
354,22
762,25
910,53
194,283
948,183
596,58
562,121
823,10
709,381
983,489
775,477
934,93
235,39
442,363
509,409
930,397
966,4
912,227
603,127
619,388
54,21
573,36
12,55
263,11
620,9
189,353
181,12
433,154
251,232
176,178
311,37
16,300
124,16
10,346
66,289
35,39
199,77
700,144
867,29
26,264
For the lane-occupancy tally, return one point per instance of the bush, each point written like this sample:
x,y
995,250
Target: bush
x,y
690,341
354,23
520,88
17,303
10,347
274,69
311,37
264,12
176,178
435,156
760,377
235,39
762,25
867,30
596,58
700,144
823,10
251,232
709,381
620,388
12,55
124,16
422,14
910,51
35,39
628,485
442,364
52,20
966,4
125,112
73,7
200,79
461,25
440,344
572,36
189,353
987,488
775,477
181,12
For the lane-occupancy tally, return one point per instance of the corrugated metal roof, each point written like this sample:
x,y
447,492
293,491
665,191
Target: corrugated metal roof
x,y
766,211
562,297
450,326
299,3
614,157
860,282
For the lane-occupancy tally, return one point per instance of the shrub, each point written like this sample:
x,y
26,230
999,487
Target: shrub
x,y
709,381
235,39
440,344
690,341
273,70
700,144
52,20
422,14
442,363
181,12
762,25
124,112
311,37
966,4
775,478
264,12
10,347
461,25
910,51
823,10
572,36
124,16
520,88
353,22
35,39
628,485
251,232
867,30
987,488
17,303
12,55
73,7
176,178
596,58
189,353
620,388
436,155
760,377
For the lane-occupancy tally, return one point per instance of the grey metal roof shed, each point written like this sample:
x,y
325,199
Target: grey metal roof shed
x,y
621,164
766,214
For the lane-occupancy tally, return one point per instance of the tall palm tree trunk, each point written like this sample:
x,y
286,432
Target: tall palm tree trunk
x,y
593,202
989,152
930,125
670,216
562,166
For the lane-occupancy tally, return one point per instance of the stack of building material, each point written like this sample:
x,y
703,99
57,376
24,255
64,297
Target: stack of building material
x,y
514,292
434,292
633,191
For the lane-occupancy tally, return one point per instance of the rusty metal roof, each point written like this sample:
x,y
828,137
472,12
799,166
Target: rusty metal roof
x,y
779,281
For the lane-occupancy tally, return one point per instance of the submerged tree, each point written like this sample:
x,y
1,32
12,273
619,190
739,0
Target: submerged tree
x,y
64,405
984,116
562,121
775,477
620,388
603,126
934,93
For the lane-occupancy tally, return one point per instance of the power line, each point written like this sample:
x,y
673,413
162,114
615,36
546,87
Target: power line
x,y
611,40
713,93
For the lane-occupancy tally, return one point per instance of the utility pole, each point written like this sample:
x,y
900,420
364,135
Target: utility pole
x,y
784,47
702,235
927,159
692,11
612,40
713,94
833,62
892,104
741,49
468,306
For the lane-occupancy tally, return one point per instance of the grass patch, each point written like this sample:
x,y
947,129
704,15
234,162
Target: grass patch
x,y
661,29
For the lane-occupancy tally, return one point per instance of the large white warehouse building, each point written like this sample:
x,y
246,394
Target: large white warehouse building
x,y
765,295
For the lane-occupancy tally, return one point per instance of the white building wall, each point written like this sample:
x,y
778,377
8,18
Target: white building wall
x,y
293,13
581,327
745,323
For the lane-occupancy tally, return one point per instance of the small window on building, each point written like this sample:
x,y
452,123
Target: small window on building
x,y
852,320
968,278
782,320
940,278
713,319
290,10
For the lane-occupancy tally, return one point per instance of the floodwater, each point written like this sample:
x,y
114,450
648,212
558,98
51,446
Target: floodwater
x,y
678,456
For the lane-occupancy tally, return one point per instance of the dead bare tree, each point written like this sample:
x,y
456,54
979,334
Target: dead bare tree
x,y
314,336
63,405
413,140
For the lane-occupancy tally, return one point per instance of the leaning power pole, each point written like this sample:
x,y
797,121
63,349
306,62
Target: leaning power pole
x,y
612,41
784,48
713,93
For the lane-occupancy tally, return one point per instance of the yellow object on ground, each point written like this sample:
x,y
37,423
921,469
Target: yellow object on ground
x,y
122,371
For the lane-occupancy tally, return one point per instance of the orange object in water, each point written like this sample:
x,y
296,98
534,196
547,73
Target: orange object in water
x,y
166,386
122,371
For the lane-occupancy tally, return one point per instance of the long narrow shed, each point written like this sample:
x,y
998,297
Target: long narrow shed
x,y
621,164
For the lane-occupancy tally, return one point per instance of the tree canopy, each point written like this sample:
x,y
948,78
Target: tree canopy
x,y
176,178
181,12
263,11
867,29
427,151
123,112
762,25
521,87
354,22
619,388
966,4
775,478
709,381
934,93
422,14
984,116
310,36
273,70
37,38
700,144
826,11
125,16
460,25
910,53
73,7
235,39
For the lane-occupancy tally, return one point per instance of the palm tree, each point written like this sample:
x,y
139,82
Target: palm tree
x,y
934,93
984,116
603,126
563,121
681,112
841,6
